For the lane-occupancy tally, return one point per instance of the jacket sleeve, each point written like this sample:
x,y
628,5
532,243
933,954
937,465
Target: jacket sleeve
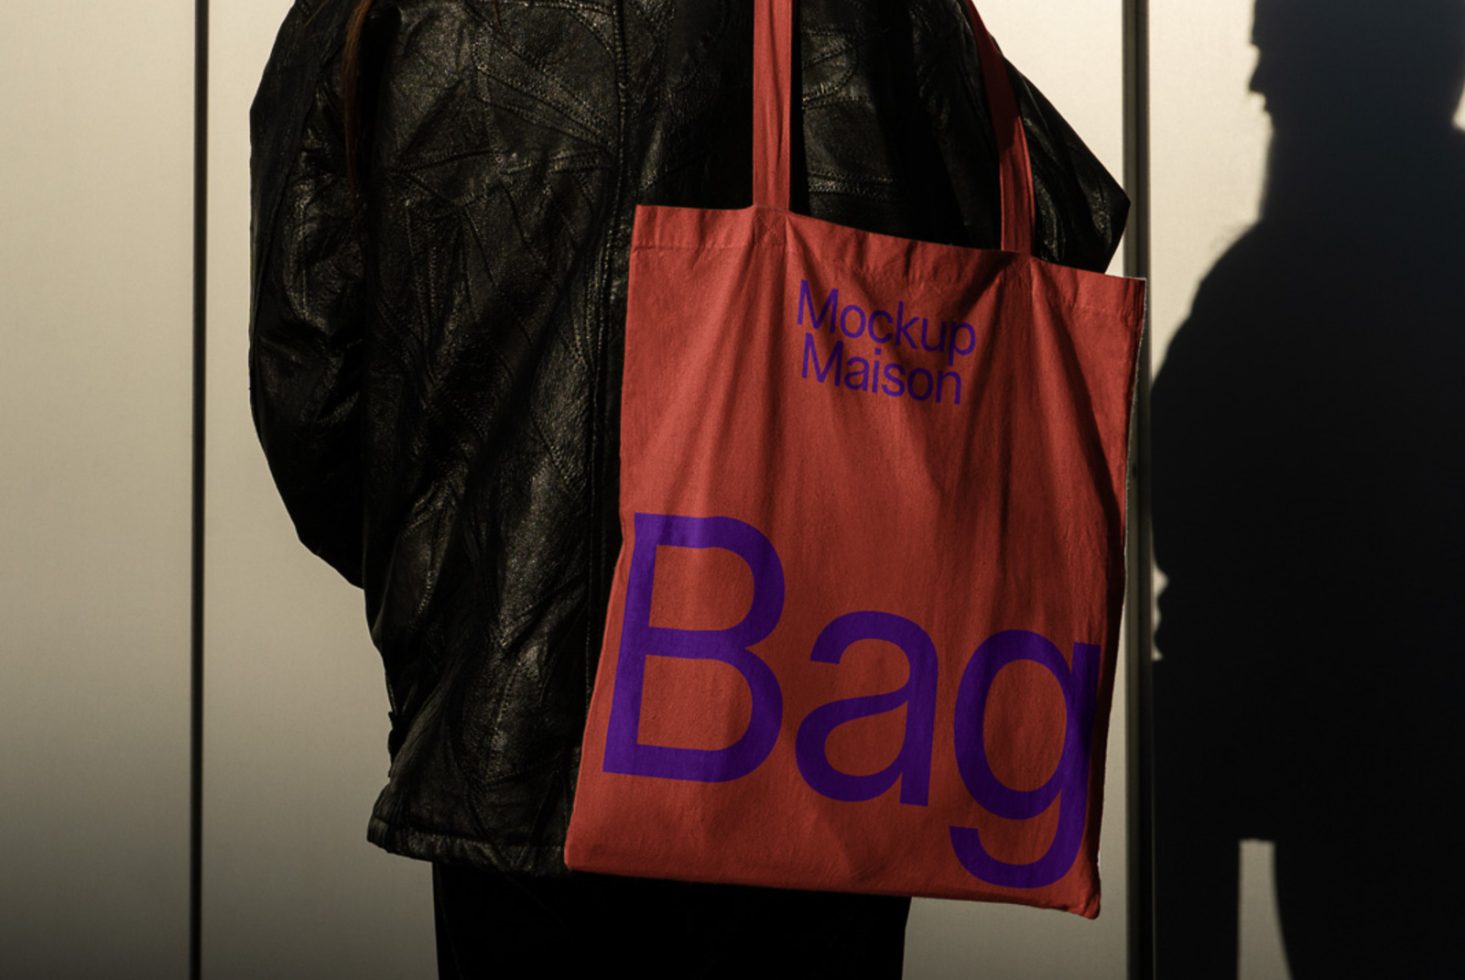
x,y
307,301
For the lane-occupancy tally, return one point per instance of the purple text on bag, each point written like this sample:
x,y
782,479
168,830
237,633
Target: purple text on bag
x,y
913,765
1068,784
624,751
1069,780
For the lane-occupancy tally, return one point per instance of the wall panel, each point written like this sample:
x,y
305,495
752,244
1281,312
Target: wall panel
x,y
96,104
1209,139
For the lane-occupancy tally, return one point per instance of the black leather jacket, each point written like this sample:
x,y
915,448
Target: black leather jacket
x,y
435,382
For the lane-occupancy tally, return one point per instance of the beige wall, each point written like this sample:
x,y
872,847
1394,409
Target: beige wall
x,y
96,214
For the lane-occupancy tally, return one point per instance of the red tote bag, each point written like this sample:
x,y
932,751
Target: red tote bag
x,y
863,627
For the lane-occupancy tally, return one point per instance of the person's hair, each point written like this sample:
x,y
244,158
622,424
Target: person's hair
x,y
350,96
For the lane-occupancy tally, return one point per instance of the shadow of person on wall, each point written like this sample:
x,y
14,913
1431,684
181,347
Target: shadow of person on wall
x,y
1309,515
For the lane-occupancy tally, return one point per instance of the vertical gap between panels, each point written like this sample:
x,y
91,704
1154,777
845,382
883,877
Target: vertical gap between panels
x,y
1139,747
200,282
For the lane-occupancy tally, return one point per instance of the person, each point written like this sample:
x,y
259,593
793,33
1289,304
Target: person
x,y
442,200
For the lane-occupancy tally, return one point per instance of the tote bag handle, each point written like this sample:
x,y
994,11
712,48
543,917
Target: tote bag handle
x,y
772,109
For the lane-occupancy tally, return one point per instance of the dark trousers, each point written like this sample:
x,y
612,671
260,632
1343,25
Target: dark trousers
x,y
497,925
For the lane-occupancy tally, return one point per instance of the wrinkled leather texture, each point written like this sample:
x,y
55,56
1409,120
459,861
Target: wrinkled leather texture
x,y
435,379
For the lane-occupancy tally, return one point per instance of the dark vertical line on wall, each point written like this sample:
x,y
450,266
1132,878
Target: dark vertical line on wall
x,y
1139,693
200,296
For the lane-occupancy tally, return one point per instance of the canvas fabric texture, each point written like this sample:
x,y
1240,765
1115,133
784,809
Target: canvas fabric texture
x,y
864,625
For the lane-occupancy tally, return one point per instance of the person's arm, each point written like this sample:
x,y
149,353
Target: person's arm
x,y
307,301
